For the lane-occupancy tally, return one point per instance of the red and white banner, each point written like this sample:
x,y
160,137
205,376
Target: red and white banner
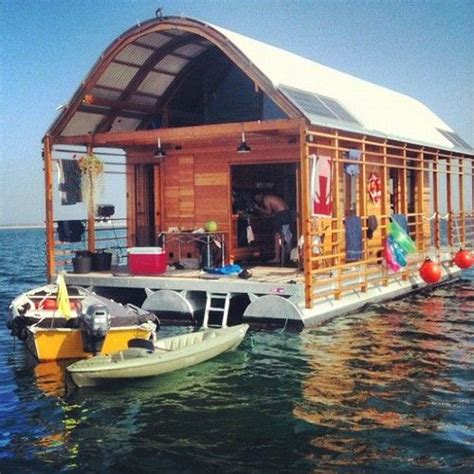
x,y
321,188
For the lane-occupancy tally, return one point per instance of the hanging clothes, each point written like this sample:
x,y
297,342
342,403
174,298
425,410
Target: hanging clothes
x,y
350,168
70,182
71,231
250,234
354,244
321,189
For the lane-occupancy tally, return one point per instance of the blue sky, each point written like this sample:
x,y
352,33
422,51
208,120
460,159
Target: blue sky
x,y
422,48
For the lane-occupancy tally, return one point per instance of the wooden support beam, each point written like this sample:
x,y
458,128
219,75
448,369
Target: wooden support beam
x,y
90,219
306,216
461,219
449,201
48,193
337,222
419,207
437,235
182,134
385,204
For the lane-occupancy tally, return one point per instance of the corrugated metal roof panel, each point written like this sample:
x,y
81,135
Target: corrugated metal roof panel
x,y
134,54
117,76
155,83
82,123
155,40
121,124
172,64
144,99
190,50
105,93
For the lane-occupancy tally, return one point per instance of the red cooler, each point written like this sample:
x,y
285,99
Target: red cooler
x,y
147,260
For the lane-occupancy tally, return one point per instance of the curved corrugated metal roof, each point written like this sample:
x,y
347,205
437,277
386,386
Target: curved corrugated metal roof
x,y
140,67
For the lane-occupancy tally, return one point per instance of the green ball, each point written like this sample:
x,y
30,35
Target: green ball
x,y
211,226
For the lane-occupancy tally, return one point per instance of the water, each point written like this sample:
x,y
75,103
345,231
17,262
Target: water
x,y
387,390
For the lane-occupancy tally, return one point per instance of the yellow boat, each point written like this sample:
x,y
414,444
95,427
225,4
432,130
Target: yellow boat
x,y
66,343
96,325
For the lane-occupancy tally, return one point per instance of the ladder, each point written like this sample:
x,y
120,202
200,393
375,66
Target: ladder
x,y
211,301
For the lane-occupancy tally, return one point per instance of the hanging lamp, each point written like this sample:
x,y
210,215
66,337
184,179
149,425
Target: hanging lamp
x,y
160,151
243,147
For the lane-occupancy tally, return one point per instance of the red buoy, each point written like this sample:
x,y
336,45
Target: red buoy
x,y
463,259
430,271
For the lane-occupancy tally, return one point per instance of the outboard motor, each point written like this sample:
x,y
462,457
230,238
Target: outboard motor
x,y
95,325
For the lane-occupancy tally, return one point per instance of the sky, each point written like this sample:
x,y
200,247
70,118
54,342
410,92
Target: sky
x,y
421,48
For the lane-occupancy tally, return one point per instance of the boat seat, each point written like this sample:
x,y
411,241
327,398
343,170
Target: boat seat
x,y
141,343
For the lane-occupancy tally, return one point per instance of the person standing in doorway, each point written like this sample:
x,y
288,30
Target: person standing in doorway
x,y
273,206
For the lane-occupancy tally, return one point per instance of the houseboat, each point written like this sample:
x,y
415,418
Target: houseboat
x,y
204,120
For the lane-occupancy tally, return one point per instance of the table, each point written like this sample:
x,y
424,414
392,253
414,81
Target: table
x,y
205,238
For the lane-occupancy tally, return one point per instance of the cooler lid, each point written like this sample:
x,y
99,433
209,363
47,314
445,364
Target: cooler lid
x,y
145,250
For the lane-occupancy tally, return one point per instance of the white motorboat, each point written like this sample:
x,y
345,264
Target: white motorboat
x,y
95,324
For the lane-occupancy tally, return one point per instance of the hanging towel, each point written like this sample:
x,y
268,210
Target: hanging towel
x,y
353,225
70,231
250,234
321,189
287,235
70,184
401,220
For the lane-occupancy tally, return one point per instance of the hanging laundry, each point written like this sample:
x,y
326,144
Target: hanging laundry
x,y
250,234
287,234
354,244
70,182
351,168
321,189
70,231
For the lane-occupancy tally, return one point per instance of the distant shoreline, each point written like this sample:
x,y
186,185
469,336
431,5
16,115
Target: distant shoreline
x,y
22,226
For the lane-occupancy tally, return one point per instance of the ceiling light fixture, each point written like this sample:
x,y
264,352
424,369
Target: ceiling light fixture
x,y
160,151
243,147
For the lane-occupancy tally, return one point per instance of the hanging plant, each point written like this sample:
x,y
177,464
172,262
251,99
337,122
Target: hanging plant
x,y
92,170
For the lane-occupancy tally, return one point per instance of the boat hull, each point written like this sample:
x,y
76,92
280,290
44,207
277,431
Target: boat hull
x,y
65,343
139,363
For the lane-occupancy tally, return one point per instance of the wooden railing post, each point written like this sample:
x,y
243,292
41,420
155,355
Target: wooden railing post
x,y
48,193
90,218
306,217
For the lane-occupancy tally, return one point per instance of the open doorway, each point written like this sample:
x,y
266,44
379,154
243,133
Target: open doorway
x,y
251,233
147,205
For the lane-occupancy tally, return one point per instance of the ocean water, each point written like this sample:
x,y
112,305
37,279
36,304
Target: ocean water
x,y
390,389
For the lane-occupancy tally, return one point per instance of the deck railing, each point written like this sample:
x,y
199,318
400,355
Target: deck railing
x,y
109,236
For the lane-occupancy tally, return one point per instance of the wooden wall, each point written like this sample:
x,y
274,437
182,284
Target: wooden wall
x,y
195,184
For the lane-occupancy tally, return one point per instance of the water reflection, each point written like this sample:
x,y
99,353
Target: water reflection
x,y
389,387
391,369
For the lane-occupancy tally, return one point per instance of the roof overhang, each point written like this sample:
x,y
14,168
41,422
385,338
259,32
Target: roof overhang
x,y
138,73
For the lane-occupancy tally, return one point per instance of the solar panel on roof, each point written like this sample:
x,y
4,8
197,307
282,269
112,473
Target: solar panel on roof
x,y
454,138
338,109
320,105
309,102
